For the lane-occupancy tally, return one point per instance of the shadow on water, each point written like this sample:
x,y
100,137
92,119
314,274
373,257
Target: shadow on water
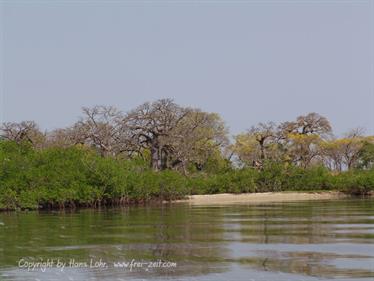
x,y
292,241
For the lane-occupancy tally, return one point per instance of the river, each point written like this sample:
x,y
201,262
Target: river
x,y
314,240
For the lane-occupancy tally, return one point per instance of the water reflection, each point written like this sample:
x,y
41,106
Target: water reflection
x,y
293,241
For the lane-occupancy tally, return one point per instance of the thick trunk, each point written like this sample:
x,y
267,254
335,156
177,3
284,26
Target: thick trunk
x,y
155,157
164,159
262,148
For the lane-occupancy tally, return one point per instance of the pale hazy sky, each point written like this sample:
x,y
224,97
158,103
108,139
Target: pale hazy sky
x,y
250,61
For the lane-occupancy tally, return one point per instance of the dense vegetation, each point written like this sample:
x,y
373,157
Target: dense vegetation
x,y
78,176
161,151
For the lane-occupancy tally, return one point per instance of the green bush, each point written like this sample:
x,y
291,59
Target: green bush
x,y
271,177
314,178
358,182
78,176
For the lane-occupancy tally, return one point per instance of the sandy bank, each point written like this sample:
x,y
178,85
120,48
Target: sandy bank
x,y
227,198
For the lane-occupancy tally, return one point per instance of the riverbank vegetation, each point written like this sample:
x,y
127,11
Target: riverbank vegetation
x,y
162,151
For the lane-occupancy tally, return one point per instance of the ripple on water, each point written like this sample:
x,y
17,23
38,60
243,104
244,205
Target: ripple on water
x,y
281,241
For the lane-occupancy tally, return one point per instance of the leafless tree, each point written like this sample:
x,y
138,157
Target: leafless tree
x,y
100,127
66,137
149,123
23,131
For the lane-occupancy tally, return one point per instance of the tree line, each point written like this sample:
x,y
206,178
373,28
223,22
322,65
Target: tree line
x,y
172,137
163,151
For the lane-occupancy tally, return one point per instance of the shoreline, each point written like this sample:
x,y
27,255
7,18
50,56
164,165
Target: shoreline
x,y
216,199
253,198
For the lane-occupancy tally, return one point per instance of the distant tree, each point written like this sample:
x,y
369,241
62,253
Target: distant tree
x,y
100,127
352,144
246,149
264,134
300,139
312,123
257,145
23,131
198,137
366,154
67,137
149,123
174,135
304,149
344,153
332,154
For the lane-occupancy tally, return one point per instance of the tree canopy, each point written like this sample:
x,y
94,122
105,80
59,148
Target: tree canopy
x,y
170,136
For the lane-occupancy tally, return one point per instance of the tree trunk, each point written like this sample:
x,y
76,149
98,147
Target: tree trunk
x,y
164,159
155,156
262,148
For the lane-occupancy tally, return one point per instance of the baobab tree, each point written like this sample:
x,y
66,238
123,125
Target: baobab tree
x,y
300,139
23,131
264,134
67,137
100,126
197,137
174,135
257,144
149,123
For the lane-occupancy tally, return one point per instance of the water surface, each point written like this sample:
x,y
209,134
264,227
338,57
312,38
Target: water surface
x,y
316,240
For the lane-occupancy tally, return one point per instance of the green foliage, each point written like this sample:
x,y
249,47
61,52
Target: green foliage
x,y
77,176
216,163
366,156
271,177
234,181
358,182
311,179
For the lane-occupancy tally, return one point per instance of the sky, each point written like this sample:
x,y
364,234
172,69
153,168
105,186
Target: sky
x,y
249,61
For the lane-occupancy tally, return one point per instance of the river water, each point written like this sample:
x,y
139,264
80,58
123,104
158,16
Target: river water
x,y
314,240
